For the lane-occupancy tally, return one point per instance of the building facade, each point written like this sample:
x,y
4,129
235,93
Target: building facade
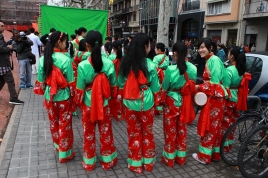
x,y
223,21
132,16
19,14
255,18
190,21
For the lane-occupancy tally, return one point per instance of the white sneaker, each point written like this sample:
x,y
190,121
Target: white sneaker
x,y
194,155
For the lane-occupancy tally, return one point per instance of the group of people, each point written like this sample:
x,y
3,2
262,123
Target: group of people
x,y
106,81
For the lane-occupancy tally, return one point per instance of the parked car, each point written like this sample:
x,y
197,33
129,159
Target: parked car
x,y
257,65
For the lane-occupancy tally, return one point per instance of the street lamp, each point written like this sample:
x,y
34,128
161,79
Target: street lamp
x,y
140,18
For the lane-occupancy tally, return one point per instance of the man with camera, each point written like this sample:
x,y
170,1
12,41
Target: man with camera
x,y
6,75
22,46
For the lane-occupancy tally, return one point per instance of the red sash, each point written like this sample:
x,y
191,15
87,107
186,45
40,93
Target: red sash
x,y
100,91
77,59
116,66
187,115
56,81
243,92
77,41
132,86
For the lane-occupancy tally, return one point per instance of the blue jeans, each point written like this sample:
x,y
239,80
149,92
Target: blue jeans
x,y
25,70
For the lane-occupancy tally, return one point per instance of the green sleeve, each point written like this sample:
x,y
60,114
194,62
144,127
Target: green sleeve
x,y
154,83
227,78
215,66
121,81
166,81
69,71
112,75
81,82
156,60
41,75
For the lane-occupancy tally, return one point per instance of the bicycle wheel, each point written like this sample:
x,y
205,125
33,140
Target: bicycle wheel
x,y
234,136
253,153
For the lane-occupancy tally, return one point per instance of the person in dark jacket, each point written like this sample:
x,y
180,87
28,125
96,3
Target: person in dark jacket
x,y
6,75
22,46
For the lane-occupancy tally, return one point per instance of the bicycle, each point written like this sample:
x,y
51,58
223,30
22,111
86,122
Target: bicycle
x,y
260,8
234,136
253,153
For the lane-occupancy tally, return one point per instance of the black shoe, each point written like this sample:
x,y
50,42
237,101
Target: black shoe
x,y
16,102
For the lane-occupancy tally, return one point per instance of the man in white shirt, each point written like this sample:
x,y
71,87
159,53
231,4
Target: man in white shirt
x,y
36,42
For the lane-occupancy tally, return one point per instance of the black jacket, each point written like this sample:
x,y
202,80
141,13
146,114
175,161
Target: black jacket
x,y
4,53
23,48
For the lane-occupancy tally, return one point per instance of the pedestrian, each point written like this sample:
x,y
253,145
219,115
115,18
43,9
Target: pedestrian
x,y
6,75
35,49
161,61
247,50
138,81
236,83
55,73
81,33
253,48
44,38
107,40
221,53
179,86
210,119
95,78
22,46
114,102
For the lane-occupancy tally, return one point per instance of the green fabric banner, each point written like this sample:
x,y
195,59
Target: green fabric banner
x,y
68,20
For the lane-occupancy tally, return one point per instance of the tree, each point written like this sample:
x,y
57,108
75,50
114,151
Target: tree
x,y
165,13
80,3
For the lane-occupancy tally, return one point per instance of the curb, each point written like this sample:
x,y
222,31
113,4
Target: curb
x,y
7,133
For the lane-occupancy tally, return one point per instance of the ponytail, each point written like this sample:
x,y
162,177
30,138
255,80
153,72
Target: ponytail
x,y
181,50
167,51
240,59
94,39
49,50
108,47
118,46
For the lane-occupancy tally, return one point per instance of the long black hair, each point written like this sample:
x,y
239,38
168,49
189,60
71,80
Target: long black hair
x,y
240,59
108,47
94,39
181,50
135,59
49,50
118,46
162,48
69,46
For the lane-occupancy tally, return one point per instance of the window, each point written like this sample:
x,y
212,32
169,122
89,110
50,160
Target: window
x,y
254,67
134,16
214,8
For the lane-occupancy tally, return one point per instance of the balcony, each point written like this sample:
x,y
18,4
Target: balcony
x,y
117,12
256,9
188,6
117,1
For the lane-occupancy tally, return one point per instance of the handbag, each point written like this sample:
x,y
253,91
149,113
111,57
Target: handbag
x,y
32,59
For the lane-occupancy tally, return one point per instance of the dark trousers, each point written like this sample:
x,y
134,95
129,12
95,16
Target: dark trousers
x,y
8,78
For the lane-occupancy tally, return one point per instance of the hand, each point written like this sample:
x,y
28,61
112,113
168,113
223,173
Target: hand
x,y
10,47
119,97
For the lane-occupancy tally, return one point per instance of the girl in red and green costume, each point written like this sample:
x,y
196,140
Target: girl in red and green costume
x,y
80,34
115,103
162,62
211,116
138,82
178,89
55,76
236,84
96,76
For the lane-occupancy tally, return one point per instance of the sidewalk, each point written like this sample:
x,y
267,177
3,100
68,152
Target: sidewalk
x,y
27,149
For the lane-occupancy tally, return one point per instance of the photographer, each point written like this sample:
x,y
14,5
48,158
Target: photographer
x,y
22,46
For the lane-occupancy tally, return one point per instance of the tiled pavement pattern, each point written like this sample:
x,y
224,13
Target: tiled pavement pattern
x,y
30,153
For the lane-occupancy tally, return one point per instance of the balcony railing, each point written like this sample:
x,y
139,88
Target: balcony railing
x,y
191,5
256,7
